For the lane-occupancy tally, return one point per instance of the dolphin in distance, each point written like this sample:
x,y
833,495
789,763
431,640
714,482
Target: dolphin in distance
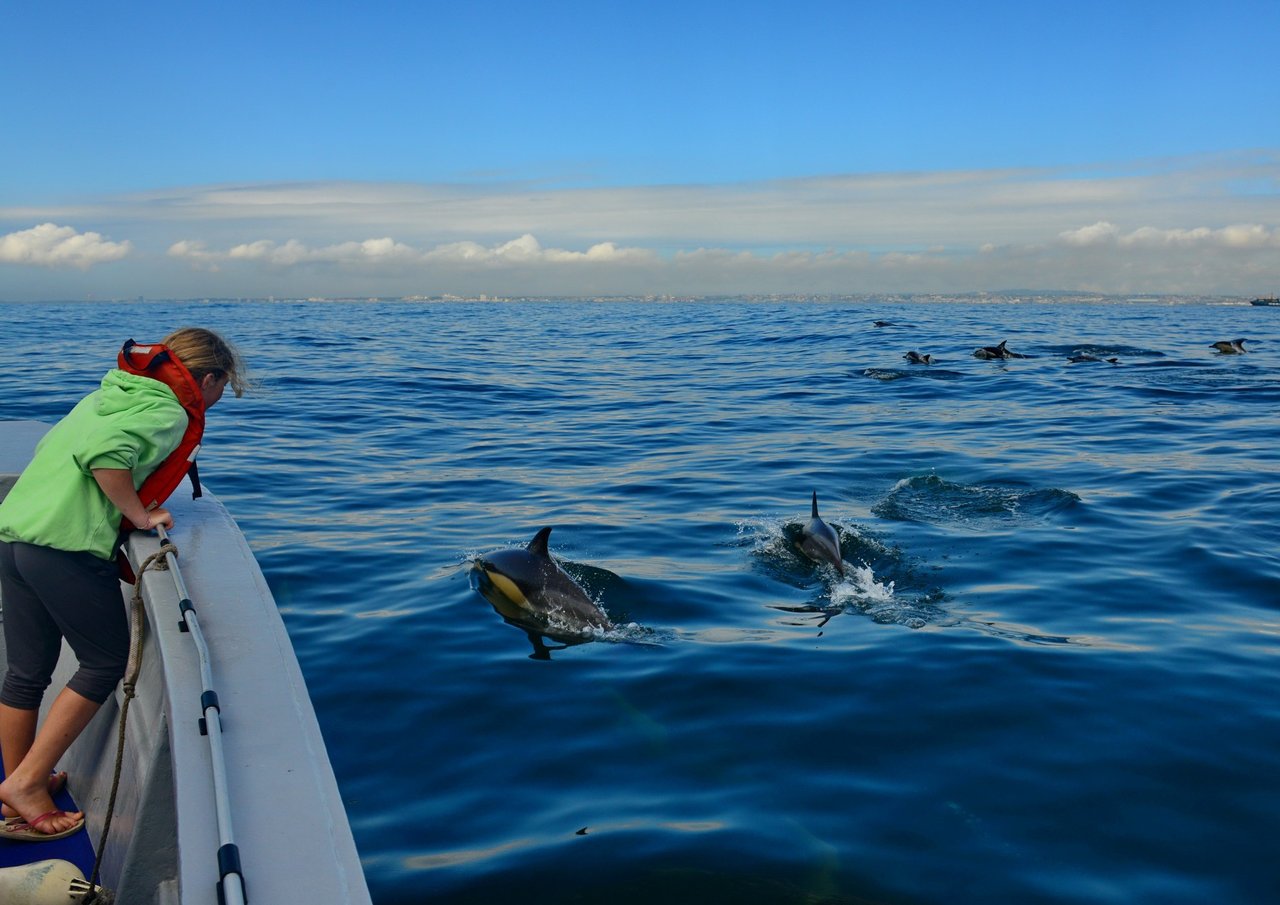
x,y
993,352
819,541
917,359
1231,346
528,583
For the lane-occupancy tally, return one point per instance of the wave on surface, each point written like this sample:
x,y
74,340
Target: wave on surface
x,y
1103,350
929,372
931,498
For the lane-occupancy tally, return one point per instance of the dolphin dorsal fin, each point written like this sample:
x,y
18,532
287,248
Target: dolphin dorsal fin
x,y
815,504
1002,345
538,546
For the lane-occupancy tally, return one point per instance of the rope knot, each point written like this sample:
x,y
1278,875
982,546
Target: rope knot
x,y
162,564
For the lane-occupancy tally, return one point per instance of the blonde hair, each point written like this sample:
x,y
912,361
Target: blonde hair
x,y
204,352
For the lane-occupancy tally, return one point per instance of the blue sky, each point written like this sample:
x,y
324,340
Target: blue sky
x,y
598,148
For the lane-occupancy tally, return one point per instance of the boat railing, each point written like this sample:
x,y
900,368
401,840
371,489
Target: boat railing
x,y
231,879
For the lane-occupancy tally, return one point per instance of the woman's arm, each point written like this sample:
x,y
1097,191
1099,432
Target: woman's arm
x,y
117,484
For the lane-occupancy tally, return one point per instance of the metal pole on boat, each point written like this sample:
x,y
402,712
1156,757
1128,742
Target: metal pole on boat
x,y
231,879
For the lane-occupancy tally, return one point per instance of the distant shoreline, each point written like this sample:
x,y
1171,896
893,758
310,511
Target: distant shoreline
x,y
968,298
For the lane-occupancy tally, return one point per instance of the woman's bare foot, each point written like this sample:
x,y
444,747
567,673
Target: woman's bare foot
x,y
33,801
56,783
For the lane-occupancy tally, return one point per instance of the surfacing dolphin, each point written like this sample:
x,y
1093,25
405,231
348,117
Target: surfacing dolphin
x,y
993,352
1085,356
819,541
541,593
917,359
1231,346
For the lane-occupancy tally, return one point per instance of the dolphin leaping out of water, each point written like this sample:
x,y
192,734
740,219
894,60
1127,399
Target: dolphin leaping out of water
x,y
536,585
1231,346
917,359
819,541
993,352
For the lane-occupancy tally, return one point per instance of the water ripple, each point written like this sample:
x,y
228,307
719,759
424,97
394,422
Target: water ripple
x,y
1058,622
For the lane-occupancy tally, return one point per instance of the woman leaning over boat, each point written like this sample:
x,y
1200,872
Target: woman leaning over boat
x,y
59,531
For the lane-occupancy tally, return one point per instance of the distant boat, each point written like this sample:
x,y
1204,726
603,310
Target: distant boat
x,y
1269,301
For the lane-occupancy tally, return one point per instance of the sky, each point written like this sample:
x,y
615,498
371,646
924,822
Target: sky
x,y
322,149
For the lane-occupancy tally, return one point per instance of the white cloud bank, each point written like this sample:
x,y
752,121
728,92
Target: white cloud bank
x,y
50,245
1100,257
1207,225
384,252
1243,236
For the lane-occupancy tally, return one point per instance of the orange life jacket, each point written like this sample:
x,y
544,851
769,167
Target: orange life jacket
x,y
159,363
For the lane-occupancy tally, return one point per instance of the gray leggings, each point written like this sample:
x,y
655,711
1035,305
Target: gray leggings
x,y
49,595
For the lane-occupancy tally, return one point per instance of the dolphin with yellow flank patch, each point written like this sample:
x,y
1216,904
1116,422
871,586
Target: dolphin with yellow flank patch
x,y
533,583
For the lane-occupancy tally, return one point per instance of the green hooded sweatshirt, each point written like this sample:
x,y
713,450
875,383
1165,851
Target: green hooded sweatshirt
x,y
129,422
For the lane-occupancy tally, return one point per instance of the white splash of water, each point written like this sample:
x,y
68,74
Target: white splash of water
x,y
859,587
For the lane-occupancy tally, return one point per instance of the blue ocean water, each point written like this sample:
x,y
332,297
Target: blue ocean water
x,y
1050,675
